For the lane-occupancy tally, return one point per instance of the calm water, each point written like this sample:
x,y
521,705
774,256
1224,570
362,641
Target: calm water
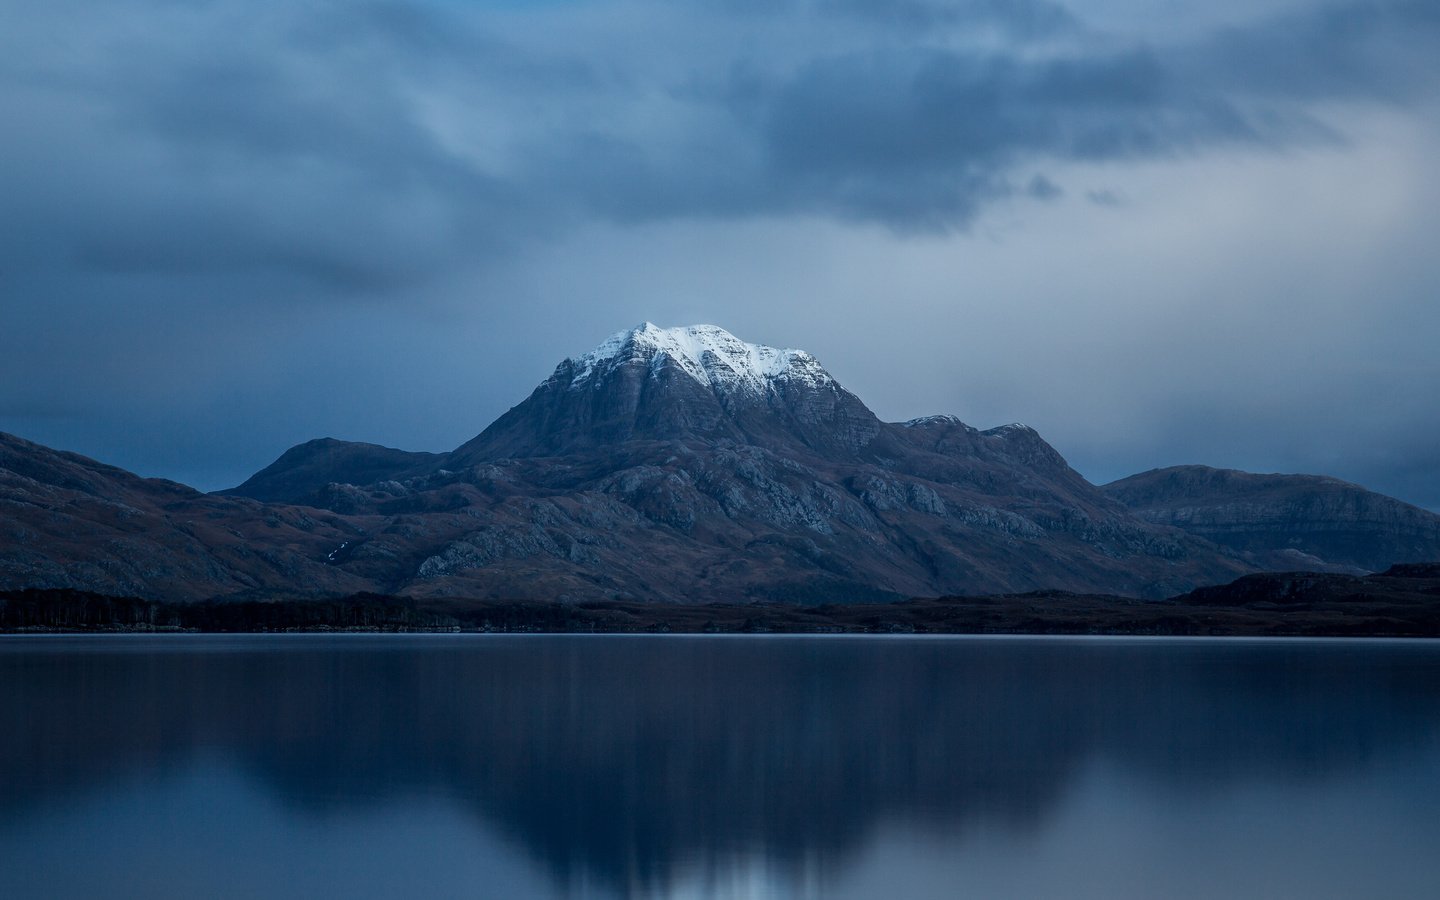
x,y
527,766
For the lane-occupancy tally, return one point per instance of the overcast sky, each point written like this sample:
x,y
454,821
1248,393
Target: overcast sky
x,y
1159,231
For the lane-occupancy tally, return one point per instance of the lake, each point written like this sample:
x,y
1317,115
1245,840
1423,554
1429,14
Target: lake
x,y
728,766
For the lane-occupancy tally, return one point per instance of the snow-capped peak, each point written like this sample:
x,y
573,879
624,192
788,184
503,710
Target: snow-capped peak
x,y
927,421
709,354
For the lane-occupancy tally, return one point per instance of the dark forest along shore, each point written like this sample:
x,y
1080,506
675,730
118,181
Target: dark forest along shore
x,y
534,766
1403,601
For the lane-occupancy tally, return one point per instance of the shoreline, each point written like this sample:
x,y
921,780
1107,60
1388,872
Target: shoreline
x,y
1030,615
1403,602
401,632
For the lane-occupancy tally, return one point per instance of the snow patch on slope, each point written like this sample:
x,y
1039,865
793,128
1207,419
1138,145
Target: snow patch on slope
x,y
709,354
1003,430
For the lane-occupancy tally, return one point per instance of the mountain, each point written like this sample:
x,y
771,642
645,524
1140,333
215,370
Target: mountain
x,y
678,464
1285,522
70,522
686,464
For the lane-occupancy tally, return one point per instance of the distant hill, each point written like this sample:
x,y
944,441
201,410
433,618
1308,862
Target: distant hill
x,y
304,470
1285,521
70,522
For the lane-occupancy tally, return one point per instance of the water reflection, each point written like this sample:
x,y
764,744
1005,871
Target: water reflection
x,y
700,766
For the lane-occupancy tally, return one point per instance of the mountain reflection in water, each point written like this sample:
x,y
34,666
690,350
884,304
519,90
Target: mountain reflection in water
x,y
726,766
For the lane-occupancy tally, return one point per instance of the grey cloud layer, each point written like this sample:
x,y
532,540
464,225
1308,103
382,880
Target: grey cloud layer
x,y
359,146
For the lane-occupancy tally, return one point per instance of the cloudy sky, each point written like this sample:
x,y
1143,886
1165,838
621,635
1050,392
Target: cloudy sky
x,y
1160,231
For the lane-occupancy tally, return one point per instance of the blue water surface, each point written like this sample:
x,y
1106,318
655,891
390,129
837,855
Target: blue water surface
x,y
690,767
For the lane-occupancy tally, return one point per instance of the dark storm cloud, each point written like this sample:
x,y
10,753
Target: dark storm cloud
x,y
924,135
926,138
271,149
302,140
1344,50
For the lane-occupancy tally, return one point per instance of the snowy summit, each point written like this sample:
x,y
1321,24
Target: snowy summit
x,y
708,353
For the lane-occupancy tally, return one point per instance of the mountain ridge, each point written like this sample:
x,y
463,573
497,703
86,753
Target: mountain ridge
x,y
677,465
1284,518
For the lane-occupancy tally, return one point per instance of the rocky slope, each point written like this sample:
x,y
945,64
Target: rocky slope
x,y
70,522
1284,522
